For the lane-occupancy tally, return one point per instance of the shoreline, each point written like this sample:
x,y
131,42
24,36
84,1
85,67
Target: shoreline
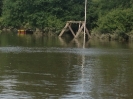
x,y
50,32
113,37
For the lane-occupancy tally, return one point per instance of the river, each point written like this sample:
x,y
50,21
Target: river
x,y
39,67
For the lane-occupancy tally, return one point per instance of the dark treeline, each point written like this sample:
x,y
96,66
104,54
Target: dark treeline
x,y
104,16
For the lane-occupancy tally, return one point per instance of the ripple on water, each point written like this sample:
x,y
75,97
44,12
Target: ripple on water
x,y
80,51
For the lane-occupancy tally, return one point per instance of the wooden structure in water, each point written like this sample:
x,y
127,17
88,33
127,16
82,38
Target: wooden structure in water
x,y
80,29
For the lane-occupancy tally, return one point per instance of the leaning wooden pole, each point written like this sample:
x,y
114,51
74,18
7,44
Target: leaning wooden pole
x,y
85,24
64,29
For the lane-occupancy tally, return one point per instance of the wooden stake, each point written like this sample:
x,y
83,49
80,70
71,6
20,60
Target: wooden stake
x,y
64,29
84,24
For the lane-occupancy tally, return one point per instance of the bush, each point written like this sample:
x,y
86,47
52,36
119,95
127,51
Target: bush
x,y
116,20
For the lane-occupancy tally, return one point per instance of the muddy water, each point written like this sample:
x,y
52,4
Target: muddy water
x,y
36,67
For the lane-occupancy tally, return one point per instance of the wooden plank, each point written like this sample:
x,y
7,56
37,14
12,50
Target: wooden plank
x,y
75,21
63,30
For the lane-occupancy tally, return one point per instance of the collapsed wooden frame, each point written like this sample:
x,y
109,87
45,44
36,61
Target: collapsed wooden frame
x,y
81,27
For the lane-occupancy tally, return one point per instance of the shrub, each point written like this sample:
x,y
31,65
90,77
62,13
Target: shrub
x,y
116,20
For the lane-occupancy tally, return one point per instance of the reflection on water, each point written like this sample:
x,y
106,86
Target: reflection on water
x,y
52,68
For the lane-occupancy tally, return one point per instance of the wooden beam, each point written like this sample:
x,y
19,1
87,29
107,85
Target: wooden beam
x,y
75,21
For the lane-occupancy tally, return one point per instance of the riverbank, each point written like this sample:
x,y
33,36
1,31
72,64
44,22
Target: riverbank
x,y
94,35
44,32
114,36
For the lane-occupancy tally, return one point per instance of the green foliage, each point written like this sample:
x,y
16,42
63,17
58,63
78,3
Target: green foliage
x,y
103,15
116,20
92,13
0,7
41,13
114,16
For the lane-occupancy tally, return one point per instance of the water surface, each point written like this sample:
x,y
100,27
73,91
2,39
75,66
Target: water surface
x,y
39,67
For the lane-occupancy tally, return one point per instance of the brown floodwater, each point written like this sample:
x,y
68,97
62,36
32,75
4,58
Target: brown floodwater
x,y
39,67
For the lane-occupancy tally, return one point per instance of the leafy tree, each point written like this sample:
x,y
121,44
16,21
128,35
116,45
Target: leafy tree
x,y
116,20
114,15
37,13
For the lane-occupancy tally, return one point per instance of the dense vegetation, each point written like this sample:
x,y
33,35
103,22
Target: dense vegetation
x,y
115,16
105,16
0,7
